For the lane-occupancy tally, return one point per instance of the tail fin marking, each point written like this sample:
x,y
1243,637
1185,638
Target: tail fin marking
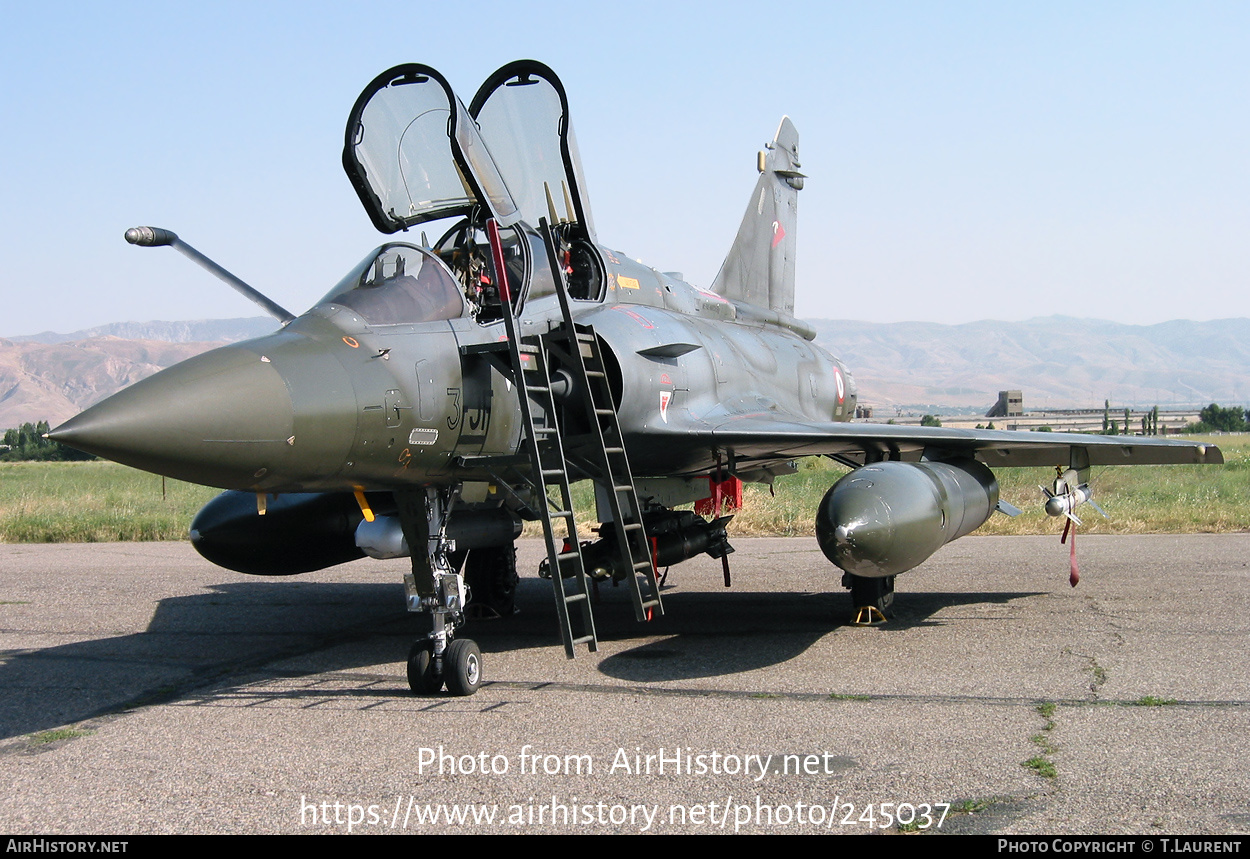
x,y
759,268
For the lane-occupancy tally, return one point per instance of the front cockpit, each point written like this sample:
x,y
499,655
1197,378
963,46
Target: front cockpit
x,y
404,284
400,284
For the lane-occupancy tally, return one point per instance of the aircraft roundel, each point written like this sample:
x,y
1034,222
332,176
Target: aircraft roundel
x,y
837,378
779,233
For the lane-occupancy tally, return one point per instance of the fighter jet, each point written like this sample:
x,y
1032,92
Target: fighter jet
x,y
444,391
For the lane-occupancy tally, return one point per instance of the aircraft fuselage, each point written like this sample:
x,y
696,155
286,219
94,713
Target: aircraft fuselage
x,y
334,403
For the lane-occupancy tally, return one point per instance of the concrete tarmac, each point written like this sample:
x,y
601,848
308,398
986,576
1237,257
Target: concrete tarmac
x,y
143,690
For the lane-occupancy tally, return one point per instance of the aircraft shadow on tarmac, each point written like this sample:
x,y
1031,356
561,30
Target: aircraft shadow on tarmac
x,y
241,627
714,633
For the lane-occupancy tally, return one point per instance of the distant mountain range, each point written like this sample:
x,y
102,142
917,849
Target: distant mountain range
x,y
196,331
53,376
1057,361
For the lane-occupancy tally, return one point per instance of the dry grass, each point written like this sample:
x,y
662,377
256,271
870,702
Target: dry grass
x,y
101,501
1144,499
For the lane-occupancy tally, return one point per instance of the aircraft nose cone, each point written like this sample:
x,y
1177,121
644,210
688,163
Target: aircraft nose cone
x,y
223,418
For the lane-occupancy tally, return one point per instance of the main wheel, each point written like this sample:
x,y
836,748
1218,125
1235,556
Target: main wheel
x,y
462,667
422,678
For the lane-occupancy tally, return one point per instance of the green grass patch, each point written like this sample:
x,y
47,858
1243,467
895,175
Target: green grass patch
x,y
1141,499
963,806
837,696
93,502
1042,766
972,806
1152,701
43,738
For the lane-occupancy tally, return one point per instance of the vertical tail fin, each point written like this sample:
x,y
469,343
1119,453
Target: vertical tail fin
x,y
759,269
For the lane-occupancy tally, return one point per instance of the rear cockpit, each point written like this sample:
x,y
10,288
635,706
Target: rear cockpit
x,y
415,154
466,252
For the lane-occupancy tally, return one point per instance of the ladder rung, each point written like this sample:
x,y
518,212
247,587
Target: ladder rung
x,y
632,526
623,487
650,603
604,412
642,565
564,556
491,346
572,598
614,450
585,639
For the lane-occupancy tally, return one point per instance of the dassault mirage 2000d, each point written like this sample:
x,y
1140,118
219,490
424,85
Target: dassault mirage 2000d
x,y
442,392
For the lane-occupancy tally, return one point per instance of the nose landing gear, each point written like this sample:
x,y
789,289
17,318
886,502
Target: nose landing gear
x,y
435,586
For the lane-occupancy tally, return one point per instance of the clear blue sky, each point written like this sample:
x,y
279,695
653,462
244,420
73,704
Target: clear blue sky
x,y
967,160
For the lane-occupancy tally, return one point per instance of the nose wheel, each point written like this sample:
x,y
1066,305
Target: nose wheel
x,y
462,667
422,678
459,667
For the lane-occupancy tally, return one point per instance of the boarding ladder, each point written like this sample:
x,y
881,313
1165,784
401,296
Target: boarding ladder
x,y
603,454
605,460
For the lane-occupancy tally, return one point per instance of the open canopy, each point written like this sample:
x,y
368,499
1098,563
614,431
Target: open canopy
x,y
522,113
414,154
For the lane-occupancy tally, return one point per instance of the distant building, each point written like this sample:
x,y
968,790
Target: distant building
x,y
1010,404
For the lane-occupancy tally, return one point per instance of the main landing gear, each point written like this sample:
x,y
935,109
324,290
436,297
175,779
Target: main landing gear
x,y
871,596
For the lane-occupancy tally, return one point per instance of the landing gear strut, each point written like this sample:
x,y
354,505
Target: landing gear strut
x,y
871,596
437,587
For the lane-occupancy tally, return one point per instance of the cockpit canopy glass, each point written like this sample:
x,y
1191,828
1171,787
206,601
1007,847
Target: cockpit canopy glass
x,y
522,114
400,284
414,154
402,143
